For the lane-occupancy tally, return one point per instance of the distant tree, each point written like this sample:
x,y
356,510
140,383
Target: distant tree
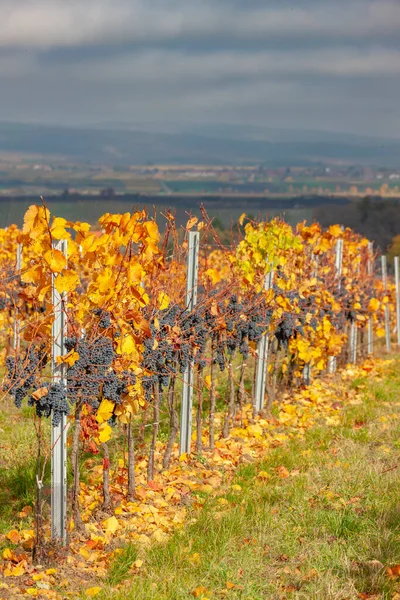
x,y
394,249
108,192
376,218
218,224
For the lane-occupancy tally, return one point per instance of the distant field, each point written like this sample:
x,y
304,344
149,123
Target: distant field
x,y
227,207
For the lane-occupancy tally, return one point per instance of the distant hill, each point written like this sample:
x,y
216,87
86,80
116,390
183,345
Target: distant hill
x,y
206,145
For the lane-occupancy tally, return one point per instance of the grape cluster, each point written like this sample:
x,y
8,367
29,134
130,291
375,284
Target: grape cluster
x,y
286,329
53,403
3,302
159,355
23,379
92,376
104,316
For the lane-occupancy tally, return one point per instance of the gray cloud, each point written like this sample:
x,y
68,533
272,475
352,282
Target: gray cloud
x,y
332,64
52,23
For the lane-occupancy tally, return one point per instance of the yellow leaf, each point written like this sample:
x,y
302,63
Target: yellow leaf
x,y
8,554
263,475
373,305
126,345
242,218
163,300
110,525
58,231
191,223
152,230
105,411
105,432
35,220
207,381
32,592
213,275
380,332
14,571
335,230
66,281
69,359
195,559
93,591
56,260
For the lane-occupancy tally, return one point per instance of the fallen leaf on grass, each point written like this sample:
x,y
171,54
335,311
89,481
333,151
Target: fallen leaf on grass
x,y
13,536
199,592
393,571
282,472
93,591
110,525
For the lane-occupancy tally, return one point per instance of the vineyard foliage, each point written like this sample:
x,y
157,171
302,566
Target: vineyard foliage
x,y
130,338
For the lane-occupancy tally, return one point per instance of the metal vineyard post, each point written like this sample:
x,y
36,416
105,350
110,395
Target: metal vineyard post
x,y
387,312
59,432
188,376
338,275
370,267
18,267
262,358
397,280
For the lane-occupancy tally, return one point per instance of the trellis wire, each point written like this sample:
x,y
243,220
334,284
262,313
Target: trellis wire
x,y
188,376
59,433
387,312
262,358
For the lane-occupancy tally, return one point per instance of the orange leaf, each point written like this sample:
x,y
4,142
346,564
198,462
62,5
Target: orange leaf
x,y
199,592
283,472
13,536
40,393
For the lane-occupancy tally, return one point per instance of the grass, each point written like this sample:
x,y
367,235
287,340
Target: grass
x,y
327,530
18,464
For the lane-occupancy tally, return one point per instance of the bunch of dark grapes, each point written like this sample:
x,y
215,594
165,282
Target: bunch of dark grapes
x,y
3,302
54,403
23,379
104,318
160,357
92,376
286,329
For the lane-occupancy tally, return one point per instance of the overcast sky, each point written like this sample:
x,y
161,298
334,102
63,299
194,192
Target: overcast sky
x,y
310,64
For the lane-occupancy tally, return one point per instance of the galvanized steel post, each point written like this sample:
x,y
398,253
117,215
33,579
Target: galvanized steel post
x,y
188,376
387,312
59,432
397,280
262,358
